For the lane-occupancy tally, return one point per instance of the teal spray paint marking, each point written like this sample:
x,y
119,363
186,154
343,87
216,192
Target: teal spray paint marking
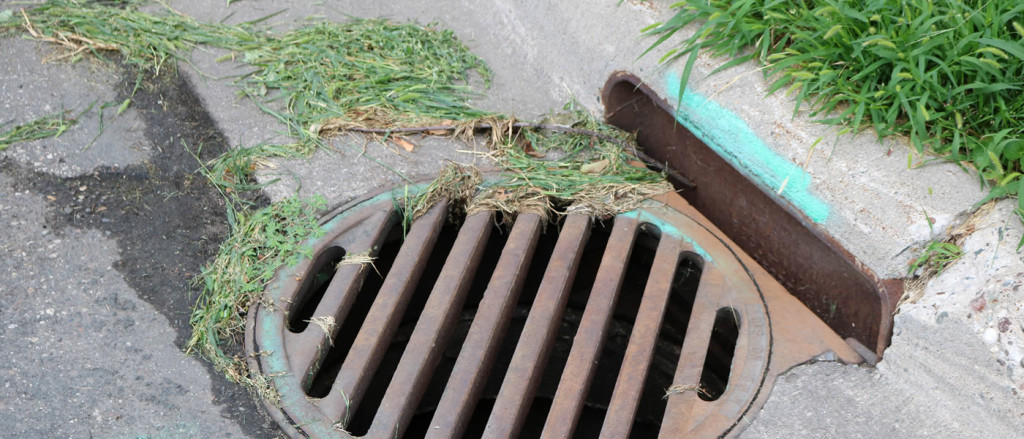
x,y
731,138
272,345
667,229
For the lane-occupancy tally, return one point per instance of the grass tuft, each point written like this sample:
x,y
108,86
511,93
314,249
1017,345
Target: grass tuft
x,y
947,74
261,241
936,256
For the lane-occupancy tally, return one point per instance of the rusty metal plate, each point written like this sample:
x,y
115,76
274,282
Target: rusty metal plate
x,y
806,260
460,328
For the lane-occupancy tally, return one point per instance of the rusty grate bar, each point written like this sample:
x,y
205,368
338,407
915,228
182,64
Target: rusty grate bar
x,y
384,316
530,358
630,383
712,289
586,347
433,329
336,301
491,321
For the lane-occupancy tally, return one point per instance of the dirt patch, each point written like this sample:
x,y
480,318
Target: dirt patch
x,y
166,218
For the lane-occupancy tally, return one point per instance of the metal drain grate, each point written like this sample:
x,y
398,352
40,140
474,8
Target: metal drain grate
x,y
463,329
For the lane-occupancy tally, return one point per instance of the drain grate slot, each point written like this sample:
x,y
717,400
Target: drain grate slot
x,y
443,289
621,417
561,369
420,422
587,347
558,368
714,377
314,286
391,364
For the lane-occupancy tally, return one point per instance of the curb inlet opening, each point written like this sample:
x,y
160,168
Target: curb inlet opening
x,y
839,289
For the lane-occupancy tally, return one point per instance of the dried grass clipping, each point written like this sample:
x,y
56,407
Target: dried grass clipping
x,y
457,183
510,201
610,199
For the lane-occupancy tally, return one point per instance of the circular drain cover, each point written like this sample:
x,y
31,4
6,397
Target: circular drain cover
x,y
647,323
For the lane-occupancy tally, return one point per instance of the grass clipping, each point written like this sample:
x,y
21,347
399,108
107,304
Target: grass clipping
x,y
260,243
316,79
326,78
51,125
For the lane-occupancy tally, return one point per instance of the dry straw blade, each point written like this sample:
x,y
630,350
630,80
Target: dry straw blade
x,y
587,168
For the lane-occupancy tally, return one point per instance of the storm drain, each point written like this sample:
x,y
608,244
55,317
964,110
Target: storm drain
x,y
648,324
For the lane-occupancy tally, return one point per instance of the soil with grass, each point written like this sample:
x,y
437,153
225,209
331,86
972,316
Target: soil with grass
x,y
167,219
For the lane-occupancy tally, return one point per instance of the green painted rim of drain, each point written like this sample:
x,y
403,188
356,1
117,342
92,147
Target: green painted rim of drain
x,y
729,136
270,330
665,227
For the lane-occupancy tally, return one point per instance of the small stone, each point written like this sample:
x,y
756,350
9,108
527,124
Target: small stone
x,y
990,336
1004,324
978,303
